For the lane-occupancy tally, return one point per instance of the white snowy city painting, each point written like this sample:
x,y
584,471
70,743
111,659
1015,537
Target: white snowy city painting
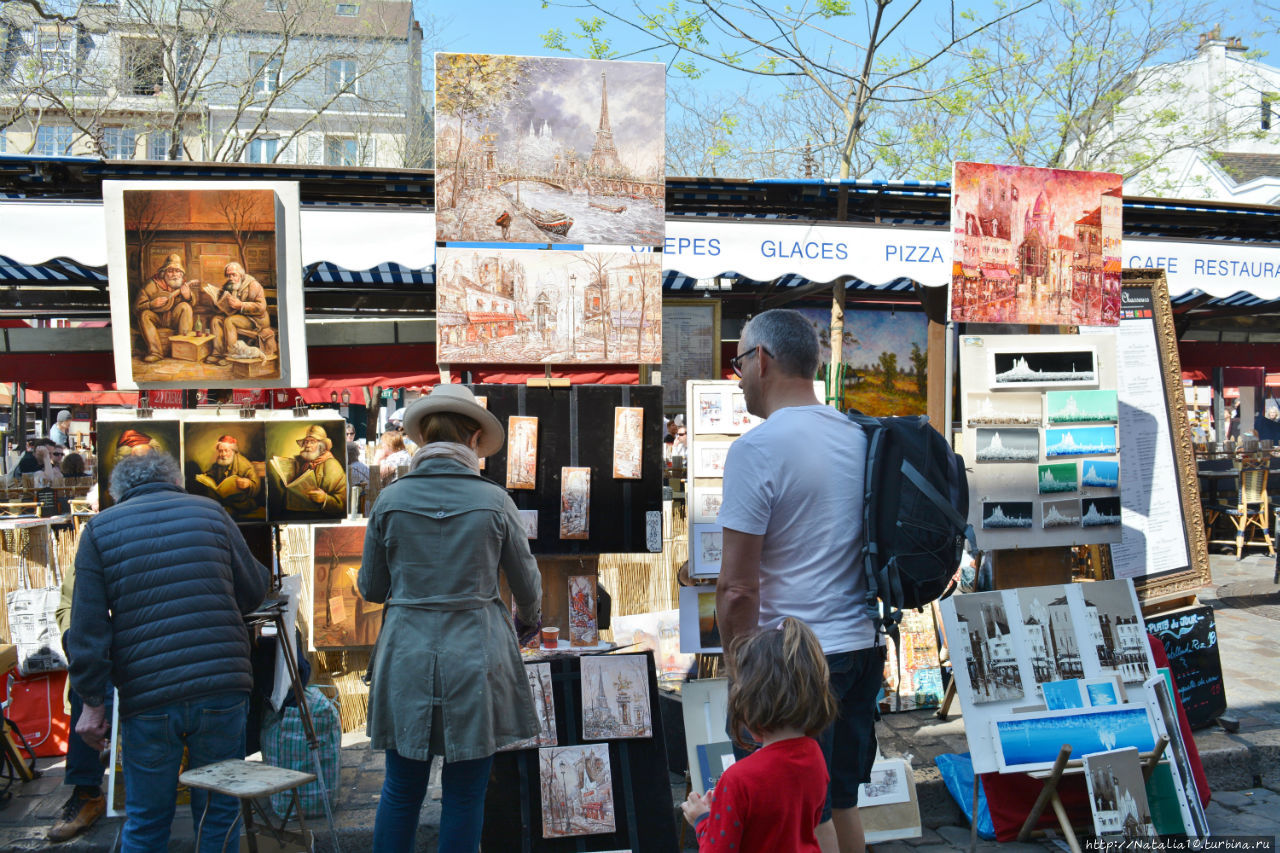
x,y
1028,742
1100,512
535,149
1080,407
1057,478
1006,514
1100,473
1012,409
1032,369
1060,514
1008,445
1080,441
520,306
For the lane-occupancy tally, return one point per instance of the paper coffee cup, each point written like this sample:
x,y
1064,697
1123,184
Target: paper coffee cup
x,y
550,637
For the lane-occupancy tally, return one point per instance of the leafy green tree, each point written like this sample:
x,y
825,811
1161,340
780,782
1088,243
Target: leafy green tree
x,y
469,88
889,368
919,363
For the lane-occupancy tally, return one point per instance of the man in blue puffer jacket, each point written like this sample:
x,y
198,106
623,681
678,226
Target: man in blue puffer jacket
x,y
163,580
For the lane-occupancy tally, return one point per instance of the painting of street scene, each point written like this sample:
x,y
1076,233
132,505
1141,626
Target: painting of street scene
x,y
628,441
534,149
340,618
1050,634
544,705
582,611
522,452
1114,625
575,503
885,356
226,461
577,790
200,287
984,646
1118,794
615,697
522,306
1035,245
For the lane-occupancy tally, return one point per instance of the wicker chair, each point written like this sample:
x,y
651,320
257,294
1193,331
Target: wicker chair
x,y
1250,513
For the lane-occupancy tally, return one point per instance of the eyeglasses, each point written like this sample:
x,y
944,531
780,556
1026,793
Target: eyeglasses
x,y
737,360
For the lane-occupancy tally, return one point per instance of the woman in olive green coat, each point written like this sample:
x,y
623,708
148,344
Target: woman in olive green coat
x,y
447,674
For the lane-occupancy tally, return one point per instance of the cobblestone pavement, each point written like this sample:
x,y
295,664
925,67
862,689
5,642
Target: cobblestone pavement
x,y
1243,766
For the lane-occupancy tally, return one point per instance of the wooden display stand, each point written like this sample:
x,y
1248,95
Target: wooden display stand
x,y
555,588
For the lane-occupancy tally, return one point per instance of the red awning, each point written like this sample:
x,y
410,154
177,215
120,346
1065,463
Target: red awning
x,y
489,317
998,275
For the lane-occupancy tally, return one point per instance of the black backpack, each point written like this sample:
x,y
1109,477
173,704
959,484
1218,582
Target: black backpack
x,y
915,515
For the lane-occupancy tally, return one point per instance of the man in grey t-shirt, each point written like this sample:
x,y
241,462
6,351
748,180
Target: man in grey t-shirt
x,y
792,520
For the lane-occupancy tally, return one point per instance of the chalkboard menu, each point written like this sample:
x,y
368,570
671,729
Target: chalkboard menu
x,y
48,501
1191,642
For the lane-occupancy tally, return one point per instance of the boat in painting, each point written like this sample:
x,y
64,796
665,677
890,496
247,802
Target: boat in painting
x,y
552,221
611,208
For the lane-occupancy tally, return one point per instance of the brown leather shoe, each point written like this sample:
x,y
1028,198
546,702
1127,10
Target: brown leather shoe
x,y
80,812
151,358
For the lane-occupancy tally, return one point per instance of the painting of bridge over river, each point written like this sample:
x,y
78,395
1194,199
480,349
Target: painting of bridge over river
x,y
548,150
529,306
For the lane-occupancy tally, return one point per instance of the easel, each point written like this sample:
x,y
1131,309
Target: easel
x,y
1064,766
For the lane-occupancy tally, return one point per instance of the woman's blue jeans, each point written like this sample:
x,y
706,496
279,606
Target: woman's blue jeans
x,y
405,786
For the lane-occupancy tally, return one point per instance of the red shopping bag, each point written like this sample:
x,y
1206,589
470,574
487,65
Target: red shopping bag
x,y
34,704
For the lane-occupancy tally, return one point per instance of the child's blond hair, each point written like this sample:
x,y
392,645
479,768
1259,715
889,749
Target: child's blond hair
x,y
779,680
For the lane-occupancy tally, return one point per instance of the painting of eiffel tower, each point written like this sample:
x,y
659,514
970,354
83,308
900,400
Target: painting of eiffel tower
x,y
537,149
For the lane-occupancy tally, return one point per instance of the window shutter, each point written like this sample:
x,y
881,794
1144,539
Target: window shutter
x,y
289,153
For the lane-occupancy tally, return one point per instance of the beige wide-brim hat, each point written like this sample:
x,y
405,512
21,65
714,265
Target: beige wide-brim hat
x,y
459,400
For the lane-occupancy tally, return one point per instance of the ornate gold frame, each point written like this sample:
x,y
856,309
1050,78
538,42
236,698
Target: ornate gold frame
x,y
1196,574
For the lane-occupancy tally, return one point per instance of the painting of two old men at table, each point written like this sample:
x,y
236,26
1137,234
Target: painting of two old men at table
x,y
202,298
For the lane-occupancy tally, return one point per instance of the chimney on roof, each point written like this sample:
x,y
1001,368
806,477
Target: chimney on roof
x,y
1214,46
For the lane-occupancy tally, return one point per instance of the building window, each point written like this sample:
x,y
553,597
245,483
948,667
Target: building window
x,y
277,5
158,144
4,140
142,72
53,140
266,73
342,76
1268,99
341,151
119,143
262,149
348,10
56,44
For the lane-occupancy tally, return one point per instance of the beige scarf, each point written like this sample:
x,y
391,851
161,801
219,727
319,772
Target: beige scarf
x,y
446,450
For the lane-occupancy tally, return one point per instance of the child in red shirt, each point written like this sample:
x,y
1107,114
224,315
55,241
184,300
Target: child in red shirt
x,y
771,800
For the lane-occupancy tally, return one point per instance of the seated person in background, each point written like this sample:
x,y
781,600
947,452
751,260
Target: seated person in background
x,y
73,465
357,471
392,454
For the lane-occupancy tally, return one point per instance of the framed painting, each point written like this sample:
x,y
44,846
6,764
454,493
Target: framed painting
x,y
226,460
306,480
577,790
704,704
120,439
1164,712
1118,794
524,306
1029,742
536,149
575,503
699,625
708,550
522,452
709,457
628,438
615,697
205,284
582,611
1035,246
539,677
340,617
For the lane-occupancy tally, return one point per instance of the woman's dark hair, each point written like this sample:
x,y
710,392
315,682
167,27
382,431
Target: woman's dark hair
x,y
779,680
448,426
73,465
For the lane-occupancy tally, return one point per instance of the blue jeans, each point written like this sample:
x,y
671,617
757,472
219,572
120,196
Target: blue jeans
x,y
462,806
84,765
212,729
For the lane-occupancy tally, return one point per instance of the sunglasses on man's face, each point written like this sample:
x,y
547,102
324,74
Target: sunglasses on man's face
x,y
737,360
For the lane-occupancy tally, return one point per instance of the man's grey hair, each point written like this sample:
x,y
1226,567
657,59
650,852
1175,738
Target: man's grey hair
x,y
788,336
64,415
153,467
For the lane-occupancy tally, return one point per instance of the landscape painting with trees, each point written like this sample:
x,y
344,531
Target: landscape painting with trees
x,y
886,358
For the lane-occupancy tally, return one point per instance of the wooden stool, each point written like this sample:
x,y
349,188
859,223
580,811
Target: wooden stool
x,y
249,781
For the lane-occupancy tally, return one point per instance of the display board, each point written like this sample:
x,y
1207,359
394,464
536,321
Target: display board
x,y
562,451
1005,645
690,347
206,284
1191,642
1163,549
1042,439
275,467
608,794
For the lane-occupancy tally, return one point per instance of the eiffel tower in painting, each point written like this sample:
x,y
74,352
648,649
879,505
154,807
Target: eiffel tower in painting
x,y
604,156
